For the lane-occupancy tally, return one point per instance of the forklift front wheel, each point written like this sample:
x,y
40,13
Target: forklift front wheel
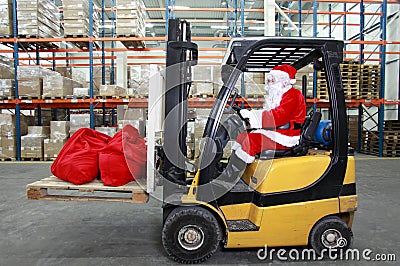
x,y
330,233
191,234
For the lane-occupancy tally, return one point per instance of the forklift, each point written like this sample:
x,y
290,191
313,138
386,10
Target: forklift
x,y
297,197
285,198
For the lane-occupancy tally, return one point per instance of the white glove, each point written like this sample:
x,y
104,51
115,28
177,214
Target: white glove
x,y
254,120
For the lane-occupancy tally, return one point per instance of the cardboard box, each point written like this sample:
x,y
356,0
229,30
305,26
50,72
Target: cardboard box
x,y
39,131
57,86
78,121
52,147
126,113
7,88
59,129
110,131
8,149
30,87
32,146
112,90
81,91
8,125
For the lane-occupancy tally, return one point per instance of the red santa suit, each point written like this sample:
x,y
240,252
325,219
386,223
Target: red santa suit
x,y
277,126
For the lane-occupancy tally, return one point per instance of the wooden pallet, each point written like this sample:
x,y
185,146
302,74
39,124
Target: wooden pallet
x,y
7,159
39,190
392,125
7,98
30,97
131,43
29,159
54,97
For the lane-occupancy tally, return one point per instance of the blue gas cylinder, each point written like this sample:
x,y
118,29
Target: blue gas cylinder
x,y
323,134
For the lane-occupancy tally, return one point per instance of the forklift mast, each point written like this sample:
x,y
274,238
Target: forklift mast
x,y
181,56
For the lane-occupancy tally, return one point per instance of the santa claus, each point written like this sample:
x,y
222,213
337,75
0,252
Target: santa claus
x,y
277,126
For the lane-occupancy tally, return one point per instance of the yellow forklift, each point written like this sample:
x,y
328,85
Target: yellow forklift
x,y
298,197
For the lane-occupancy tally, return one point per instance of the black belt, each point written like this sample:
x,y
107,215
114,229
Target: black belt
x,y
285,126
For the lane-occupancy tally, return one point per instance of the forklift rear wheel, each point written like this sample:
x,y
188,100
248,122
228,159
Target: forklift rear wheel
x,y
191,234
330,233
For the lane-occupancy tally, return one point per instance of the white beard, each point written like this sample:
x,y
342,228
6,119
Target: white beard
x,y
274,95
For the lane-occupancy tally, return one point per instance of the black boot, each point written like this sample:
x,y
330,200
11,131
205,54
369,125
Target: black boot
x,y
229,177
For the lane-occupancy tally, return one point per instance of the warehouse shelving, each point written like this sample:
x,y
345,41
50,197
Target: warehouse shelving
x,y
109,54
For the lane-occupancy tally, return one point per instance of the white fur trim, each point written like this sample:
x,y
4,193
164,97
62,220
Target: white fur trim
x,y
287,141
278,74
292,81
241,154
236,145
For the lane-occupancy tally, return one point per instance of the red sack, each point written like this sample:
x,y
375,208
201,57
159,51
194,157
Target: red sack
x,y
124,158
77,162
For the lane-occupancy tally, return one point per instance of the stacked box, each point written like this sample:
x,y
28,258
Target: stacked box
x,y
140,125
78,121
8,134
130,18
58,86
133,79
80,92
8,125
110,131
6,68
97,78
59,129
76,18
6,21
202,73
126,113
78,76
38,18
52,148
32,144
143,86
30,81
59,133
202,89
7,89
112,90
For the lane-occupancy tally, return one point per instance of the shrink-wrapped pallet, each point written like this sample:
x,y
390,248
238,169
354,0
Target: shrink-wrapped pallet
x,y
78,121
52,147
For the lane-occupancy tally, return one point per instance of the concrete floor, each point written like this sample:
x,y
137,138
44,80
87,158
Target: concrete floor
x,y
59,233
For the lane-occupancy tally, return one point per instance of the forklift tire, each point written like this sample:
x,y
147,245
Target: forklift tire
x,y
330,232
191,234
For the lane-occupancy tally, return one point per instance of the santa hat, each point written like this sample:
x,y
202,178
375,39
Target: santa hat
x,y
287,70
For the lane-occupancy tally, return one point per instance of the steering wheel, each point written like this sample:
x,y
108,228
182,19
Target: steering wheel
x,y
237,110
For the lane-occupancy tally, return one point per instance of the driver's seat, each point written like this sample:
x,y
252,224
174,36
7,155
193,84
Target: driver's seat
x,y
308,130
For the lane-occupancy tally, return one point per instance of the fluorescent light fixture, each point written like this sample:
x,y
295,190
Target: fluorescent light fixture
x,y
149,25
256,28
221,27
